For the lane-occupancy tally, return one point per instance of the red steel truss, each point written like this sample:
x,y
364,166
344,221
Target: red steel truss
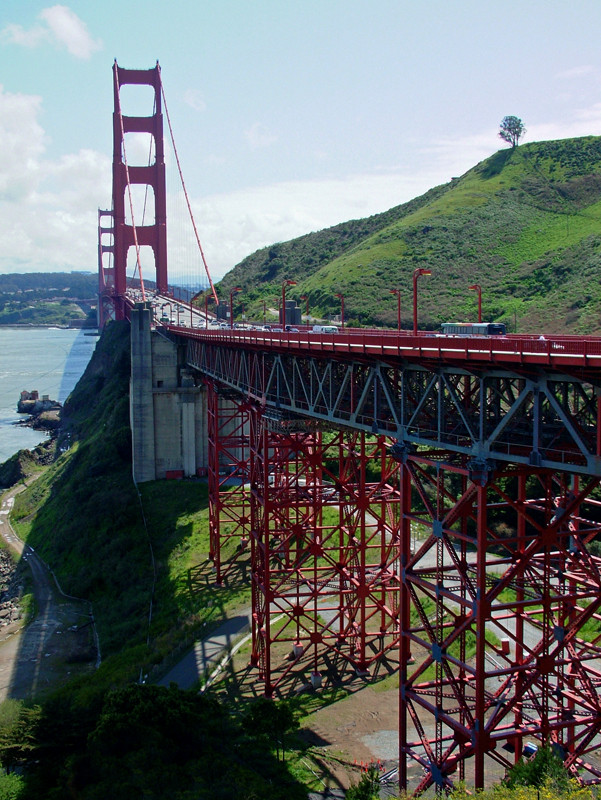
x,y
482,575
500,608
228,457
324,549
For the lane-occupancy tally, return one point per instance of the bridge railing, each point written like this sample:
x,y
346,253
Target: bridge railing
x,y
557,352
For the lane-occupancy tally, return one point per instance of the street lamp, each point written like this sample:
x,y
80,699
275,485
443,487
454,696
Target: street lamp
x,y
416,273
206,311
398,307
341,298
477,288
287,282
305,297
234,291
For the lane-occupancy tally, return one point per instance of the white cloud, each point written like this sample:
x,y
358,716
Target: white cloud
x,y
48,208
234,225
584,122
259,136
21,145
194,99
576,72
62,26
70,31
16,34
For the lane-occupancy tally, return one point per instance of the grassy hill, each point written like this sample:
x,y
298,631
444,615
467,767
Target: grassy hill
x,y
47,298
525,224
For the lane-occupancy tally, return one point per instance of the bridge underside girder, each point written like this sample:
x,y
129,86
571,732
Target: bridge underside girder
x,y
543,420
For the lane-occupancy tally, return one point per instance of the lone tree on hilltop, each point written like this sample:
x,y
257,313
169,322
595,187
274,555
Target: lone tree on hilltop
x,y
512,129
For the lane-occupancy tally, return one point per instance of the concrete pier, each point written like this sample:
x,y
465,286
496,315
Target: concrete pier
x,y
167,407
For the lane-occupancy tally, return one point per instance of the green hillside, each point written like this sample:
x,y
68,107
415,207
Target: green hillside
x,y
47,298
525,224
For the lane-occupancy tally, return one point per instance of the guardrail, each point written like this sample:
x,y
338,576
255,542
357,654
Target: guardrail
x,y
555,352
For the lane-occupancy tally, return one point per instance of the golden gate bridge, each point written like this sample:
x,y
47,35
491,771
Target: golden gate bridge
x,y
432,497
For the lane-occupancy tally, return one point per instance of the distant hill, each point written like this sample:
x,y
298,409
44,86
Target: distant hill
x,y
525,224
47,298
81,285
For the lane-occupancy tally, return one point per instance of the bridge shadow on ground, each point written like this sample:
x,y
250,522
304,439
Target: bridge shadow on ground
x,y
239,681
223,628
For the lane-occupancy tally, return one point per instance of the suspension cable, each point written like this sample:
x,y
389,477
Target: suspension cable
x,y
131,204
204,261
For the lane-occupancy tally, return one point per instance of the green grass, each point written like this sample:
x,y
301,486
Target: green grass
x,y
524,224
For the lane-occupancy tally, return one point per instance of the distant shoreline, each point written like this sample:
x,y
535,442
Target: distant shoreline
x,y
25,325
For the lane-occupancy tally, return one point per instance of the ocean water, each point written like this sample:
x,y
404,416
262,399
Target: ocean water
x,y
50,360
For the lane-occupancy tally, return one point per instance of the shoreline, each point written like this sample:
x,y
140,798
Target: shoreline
x,y
41,325
49,359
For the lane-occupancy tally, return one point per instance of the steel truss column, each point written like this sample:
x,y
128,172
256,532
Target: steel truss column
x,y
505,621
228,420
325,536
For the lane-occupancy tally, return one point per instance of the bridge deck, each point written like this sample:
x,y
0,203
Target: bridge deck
x,y
556,353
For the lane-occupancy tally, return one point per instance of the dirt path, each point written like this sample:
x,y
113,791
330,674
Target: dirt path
x,y
57,643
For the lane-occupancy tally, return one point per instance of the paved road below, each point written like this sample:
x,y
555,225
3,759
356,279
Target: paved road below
x,y
207,652
36,657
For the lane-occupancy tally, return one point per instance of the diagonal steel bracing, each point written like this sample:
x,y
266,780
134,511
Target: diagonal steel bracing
x,y
506,560
547,421
324,543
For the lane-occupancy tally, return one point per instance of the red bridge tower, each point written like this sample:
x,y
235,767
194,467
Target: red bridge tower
x,y
124,175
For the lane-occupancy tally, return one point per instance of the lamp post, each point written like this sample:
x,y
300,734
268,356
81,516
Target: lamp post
x,y
305,297
398,307
340,296
264,313
416,273
287,282
477,288
234,291
206,311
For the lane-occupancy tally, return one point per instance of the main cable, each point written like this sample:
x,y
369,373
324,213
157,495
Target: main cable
x,y
204,261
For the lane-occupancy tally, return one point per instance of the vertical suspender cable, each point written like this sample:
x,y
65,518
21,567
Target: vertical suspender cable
x,y
204,261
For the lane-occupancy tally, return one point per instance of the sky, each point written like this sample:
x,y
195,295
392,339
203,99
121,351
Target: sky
x,y
289,116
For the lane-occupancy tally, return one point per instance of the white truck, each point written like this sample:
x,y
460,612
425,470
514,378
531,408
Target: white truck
x,y
325,329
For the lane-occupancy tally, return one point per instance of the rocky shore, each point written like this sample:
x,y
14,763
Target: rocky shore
x,y
11,590
44,413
